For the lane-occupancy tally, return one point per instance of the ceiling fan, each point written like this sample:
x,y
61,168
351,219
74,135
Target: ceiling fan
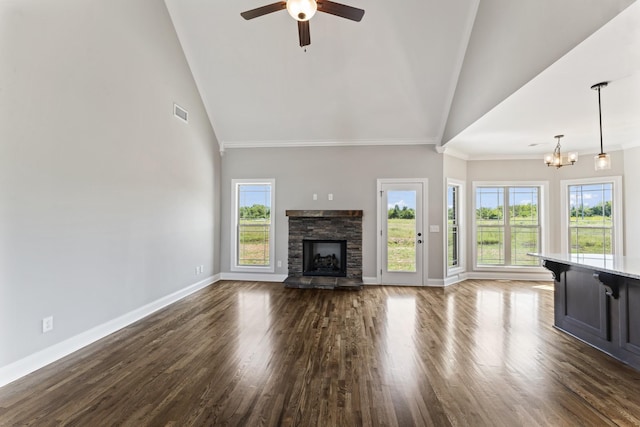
x,y
303,10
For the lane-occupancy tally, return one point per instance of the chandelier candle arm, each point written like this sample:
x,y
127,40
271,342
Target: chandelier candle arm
x,y
557,159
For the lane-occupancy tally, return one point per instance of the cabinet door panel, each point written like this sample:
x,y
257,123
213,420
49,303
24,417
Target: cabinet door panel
x,y
586,305
630,316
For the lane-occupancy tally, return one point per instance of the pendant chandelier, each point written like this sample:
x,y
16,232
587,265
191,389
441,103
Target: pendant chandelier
x,y
602,160
559,160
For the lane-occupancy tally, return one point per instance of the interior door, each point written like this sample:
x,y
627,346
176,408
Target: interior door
x,y
402,237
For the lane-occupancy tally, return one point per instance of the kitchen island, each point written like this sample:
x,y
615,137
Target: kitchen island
x,y
597,300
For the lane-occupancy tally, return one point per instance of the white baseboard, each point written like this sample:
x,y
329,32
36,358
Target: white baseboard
x,y
495,275
480,275
456,278
430,282
435,283
254,277
42,358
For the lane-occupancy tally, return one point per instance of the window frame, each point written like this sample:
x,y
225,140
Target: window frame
x,y
235,217
616,217
543,218
460,185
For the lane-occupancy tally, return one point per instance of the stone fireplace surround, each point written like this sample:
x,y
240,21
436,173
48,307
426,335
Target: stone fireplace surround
x,y
325,225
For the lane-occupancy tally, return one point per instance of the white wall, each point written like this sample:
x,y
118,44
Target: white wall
x,y
349,173
107,202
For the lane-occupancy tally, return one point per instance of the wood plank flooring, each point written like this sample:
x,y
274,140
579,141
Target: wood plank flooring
x,y
249,354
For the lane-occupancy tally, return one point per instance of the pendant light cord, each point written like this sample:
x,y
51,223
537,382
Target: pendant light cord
x,y
600,116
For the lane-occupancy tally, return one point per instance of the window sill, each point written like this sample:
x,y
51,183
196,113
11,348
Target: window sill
x,y
511,269
247,269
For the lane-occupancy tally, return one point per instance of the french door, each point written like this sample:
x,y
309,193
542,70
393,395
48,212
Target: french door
x,y
401,237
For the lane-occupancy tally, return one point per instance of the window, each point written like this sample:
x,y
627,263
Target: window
x,y
591,217
455,242
254,230
508,225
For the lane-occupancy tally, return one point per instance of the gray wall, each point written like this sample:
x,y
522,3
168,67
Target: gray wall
x,y
107,202
455,168
350,173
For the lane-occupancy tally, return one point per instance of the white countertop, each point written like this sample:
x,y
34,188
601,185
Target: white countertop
x,y
620,265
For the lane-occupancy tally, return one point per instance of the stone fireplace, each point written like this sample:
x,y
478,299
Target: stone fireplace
x,y
325,249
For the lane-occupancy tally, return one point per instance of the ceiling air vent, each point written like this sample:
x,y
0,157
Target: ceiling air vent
x,y
180,113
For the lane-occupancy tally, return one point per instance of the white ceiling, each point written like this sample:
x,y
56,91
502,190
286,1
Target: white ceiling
x,y
408,74
559,101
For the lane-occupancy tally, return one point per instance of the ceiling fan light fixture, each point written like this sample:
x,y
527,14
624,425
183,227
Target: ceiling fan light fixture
x,y
302,10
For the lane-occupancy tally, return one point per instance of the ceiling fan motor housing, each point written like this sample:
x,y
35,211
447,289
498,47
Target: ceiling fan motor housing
x,y
302,10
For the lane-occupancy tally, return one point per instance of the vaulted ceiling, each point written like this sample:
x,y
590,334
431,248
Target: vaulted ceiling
x,y
483,78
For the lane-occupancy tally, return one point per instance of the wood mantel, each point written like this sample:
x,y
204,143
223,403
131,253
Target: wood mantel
x,y
323,213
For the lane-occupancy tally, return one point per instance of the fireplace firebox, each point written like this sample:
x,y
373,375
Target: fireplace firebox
x,y
324,258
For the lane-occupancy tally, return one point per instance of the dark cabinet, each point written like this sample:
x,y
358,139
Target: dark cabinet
x,y
600,308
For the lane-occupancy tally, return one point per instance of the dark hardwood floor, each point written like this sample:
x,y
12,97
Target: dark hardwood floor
x,y
247,354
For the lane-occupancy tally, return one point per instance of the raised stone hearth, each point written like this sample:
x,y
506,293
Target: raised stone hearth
x,y
325,225
308,282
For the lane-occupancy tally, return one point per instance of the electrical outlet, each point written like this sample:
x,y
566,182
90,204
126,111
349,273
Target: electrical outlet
x,y
279,263
197,270
315,196
47,324
330,196
201,269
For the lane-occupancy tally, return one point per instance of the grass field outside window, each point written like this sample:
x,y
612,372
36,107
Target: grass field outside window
x,y
253,227
508,225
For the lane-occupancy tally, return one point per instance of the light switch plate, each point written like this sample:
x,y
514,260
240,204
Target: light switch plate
x,y
434,228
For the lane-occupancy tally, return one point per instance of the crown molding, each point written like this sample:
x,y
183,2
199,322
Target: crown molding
x,y
226,145
449,151
630,145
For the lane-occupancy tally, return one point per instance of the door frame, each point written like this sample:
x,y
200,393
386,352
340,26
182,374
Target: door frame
x,y
425,223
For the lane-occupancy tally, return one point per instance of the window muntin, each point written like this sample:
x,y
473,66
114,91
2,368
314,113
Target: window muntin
x,y
253,225
490,226
508,225
453,226
591,228
524,223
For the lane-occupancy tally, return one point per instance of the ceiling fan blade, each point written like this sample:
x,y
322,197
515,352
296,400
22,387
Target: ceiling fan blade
x,y
263,10
341,10
303,33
